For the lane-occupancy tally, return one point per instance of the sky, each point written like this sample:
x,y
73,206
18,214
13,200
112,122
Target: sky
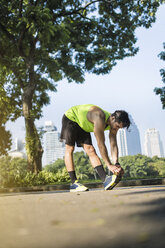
x,y
129,86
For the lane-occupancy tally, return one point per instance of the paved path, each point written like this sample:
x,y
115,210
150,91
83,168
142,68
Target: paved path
x,y
124,217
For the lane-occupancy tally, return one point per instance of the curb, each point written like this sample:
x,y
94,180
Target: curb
x,y
142,182
124,183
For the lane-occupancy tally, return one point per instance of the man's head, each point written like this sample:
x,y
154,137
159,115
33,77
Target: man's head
x,y
121,117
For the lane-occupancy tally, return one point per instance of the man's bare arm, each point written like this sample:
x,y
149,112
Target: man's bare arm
x,y
97,117
114,147
114,153
99,134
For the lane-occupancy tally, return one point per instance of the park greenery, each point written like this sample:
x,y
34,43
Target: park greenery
x,y
161,91
14,172
44,41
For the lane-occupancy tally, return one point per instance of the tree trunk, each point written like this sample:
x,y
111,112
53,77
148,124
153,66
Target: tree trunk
x,y
33,144
33,147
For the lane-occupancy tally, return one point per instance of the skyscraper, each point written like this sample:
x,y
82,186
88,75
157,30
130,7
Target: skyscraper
x,y
54,149
122,142
18,149
129,140
153,145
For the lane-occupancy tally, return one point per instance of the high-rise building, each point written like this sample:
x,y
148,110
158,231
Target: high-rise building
x,y
153,145
129,140
18,149
54,149
122,142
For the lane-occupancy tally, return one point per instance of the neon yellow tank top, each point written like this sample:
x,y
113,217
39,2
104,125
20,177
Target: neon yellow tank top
x,y
78,114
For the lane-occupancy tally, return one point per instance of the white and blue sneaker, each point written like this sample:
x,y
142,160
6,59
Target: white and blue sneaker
x,y
78,187
111,181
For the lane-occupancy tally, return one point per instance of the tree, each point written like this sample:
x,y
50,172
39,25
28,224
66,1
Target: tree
x,y
5,140
158,164
56,166
11,169
83,166
44,41
5,110
138,166
161,91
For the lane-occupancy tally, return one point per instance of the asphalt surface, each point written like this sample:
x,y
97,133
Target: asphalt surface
x,y
124,217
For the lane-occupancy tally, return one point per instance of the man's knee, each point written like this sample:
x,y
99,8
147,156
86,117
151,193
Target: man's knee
x,y
69,149
89,149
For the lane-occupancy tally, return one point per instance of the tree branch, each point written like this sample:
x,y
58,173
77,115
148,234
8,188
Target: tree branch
x,y
20,42
76,11
88,4
20,8
84,16
21,37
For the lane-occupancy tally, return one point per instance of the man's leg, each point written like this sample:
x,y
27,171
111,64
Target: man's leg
x,y
95,161
69,162
109,182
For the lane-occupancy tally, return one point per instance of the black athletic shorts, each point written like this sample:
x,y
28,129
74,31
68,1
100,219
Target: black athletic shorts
x,y
72,133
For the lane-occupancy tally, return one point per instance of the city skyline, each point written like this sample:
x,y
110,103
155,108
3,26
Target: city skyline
x,y
125,139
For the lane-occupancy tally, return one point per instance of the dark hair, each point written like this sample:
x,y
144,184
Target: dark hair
x,y
122,116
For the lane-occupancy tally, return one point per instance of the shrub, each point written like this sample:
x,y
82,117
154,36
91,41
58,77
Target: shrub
x,y
14,173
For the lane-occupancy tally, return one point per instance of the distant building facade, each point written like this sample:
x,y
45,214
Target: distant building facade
x,y
129,140
153,145
54,149
18,149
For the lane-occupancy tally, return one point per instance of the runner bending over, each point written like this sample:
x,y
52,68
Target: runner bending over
x,y
77,123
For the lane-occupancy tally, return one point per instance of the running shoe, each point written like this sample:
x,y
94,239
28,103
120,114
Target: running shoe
x,y
111,181
77,187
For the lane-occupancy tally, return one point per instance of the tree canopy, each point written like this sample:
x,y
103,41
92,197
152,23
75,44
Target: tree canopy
x,y
5,111
44,41
161,91
5,140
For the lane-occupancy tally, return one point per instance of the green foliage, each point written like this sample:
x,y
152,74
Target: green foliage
x,y
11,170
6,108
62,176
83,167
14,173
161,91
57,166
5,140
159,165
142,166
42,178
136,166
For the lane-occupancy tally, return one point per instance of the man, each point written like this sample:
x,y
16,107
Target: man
x,y
77,123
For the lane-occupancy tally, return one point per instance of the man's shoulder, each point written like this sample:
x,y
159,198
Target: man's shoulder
x,y
95,110
95,114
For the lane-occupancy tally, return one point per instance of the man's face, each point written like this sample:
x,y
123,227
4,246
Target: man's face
x,y
116,125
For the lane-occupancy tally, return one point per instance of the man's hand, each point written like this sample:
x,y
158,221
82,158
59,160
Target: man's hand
x,y
122,170
116,169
